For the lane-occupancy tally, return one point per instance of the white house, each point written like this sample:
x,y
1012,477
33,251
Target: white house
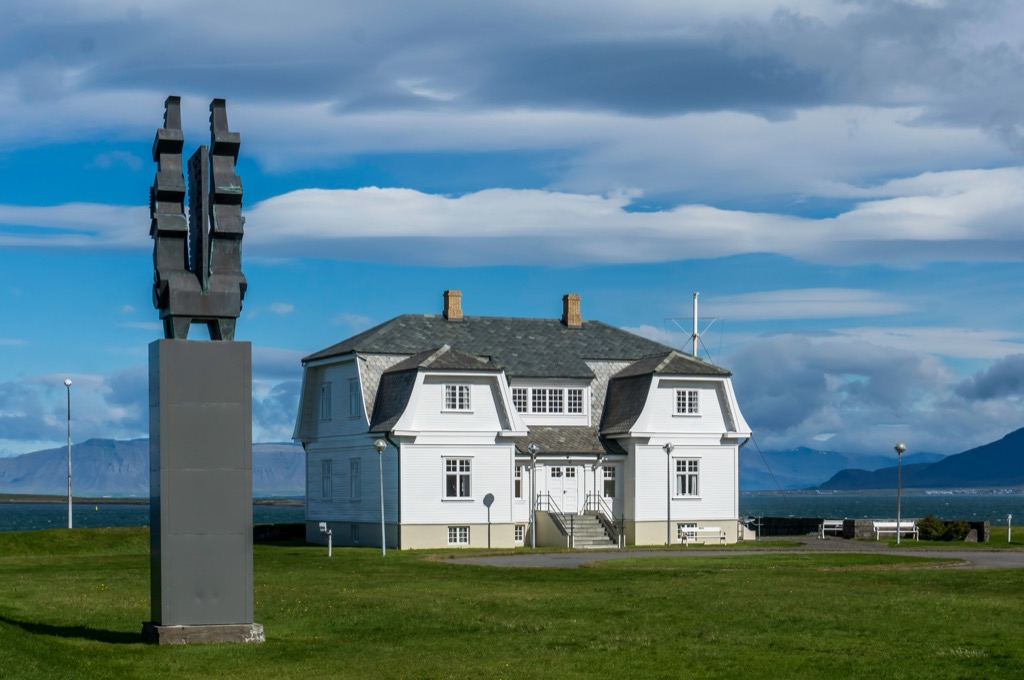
x,y
505,431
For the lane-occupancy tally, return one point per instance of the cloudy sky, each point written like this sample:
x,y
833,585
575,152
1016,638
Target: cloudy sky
x,y
841,180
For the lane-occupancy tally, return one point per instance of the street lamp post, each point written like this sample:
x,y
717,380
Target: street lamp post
x,y
67,384
900,448
668,492
380,445
533,449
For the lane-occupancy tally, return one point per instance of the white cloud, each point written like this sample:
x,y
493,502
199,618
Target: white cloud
x,y
808,303
282,308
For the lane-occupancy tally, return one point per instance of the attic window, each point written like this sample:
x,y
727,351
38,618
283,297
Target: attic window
x,y
687,403
456,398
548,400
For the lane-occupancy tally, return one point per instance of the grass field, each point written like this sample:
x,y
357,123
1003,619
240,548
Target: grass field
x,y
72,604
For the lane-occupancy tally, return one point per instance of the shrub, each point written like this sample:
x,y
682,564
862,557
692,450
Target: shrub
x,y
932,528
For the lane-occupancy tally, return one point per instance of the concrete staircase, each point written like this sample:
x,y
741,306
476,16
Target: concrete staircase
x,y
589,533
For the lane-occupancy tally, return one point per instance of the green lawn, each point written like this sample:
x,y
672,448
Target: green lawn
x,y
72,604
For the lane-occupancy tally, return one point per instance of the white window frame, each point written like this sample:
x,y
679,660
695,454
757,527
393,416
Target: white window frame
x,y
687,478
521,399
325,401
517,483
520,533
609,478
457,397
326,480
355,399
687,402
553,401
459,470
355,479
458,535
574,401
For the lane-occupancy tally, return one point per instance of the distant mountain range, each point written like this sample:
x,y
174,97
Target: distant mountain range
x,y
803,468
106,467
996,465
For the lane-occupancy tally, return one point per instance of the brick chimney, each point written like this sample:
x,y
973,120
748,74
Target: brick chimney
x,y
453,305
571,310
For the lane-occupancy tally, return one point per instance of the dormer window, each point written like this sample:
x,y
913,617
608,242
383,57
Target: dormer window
x,y
456,398
687,402
549,400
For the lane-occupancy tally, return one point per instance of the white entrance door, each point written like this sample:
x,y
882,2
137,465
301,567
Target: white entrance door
x,y
562,485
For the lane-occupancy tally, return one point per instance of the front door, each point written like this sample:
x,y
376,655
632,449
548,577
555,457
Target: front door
x,y
562,485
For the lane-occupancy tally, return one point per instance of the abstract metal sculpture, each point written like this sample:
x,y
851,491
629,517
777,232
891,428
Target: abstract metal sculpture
x,y
198,265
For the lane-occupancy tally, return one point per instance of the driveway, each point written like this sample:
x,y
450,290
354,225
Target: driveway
x,y
972,559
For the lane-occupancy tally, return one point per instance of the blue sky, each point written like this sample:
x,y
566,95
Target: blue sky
x,y
840,180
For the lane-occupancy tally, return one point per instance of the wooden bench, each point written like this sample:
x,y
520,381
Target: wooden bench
x,y
703,534
833,526
904,528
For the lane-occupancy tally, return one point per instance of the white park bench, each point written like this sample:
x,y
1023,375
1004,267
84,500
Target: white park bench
x,y
830,526
903,528
703,535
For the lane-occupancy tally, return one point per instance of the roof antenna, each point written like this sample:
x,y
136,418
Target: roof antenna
x,y
696,334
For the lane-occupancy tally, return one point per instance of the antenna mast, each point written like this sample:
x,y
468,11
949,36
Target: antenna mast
x,y
696,334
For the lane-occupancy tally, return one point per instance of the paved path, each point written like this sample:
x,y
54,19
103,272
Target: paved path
x,y
972,559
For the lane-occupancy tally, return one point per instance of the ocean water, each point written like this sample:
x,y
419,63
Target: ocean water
x,y
966,506
993,507
30,516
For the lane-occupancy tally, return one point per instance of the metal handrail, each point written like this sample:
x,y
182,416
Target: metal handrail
x,y
606,516
567,528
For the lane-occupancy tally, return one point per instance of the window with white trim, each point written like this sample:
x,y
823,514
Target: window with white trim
x,y
687,477
609,482
456,398
457,477
326,482
518,483
458,535
355,480
354,399
686,530
520,533
570,472
687,402
548,400
574,400
520,399
325,401
556,472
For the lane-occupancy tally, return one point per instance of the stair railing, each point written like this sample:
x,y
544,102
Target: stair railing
x,y
565,523
595,502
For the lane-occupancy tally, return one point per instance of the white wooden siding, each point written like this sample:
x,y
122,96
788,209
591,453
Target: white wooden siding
x,y
581,419
340,508
423,500
718,483
340,423
430,414
659,412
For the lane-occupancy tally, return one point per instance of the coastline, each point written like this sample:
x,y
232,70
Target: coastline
x,y
295,501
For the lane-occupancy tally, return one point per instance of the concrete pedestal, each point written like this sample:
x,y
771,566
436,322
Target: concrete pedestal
x,y
200,429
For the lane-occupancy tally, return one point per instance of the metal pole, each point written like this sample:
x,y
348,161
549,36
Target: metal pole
x,y
900,448
668,493
533,449
380,445
67,384
1009,529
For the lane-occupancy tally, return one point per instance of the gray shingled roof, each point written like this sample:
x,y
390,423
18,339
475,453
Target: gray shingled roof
x,y
671,363
554,440
526,348
446,359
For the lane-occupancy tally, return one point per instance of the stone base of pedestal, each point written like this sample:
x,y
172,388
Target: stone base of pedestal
x,y
194,635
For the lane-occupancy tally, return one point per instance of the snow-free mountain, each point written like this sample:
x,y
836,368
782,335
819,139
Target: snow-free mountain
x,y
803,468
999,464
107,467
